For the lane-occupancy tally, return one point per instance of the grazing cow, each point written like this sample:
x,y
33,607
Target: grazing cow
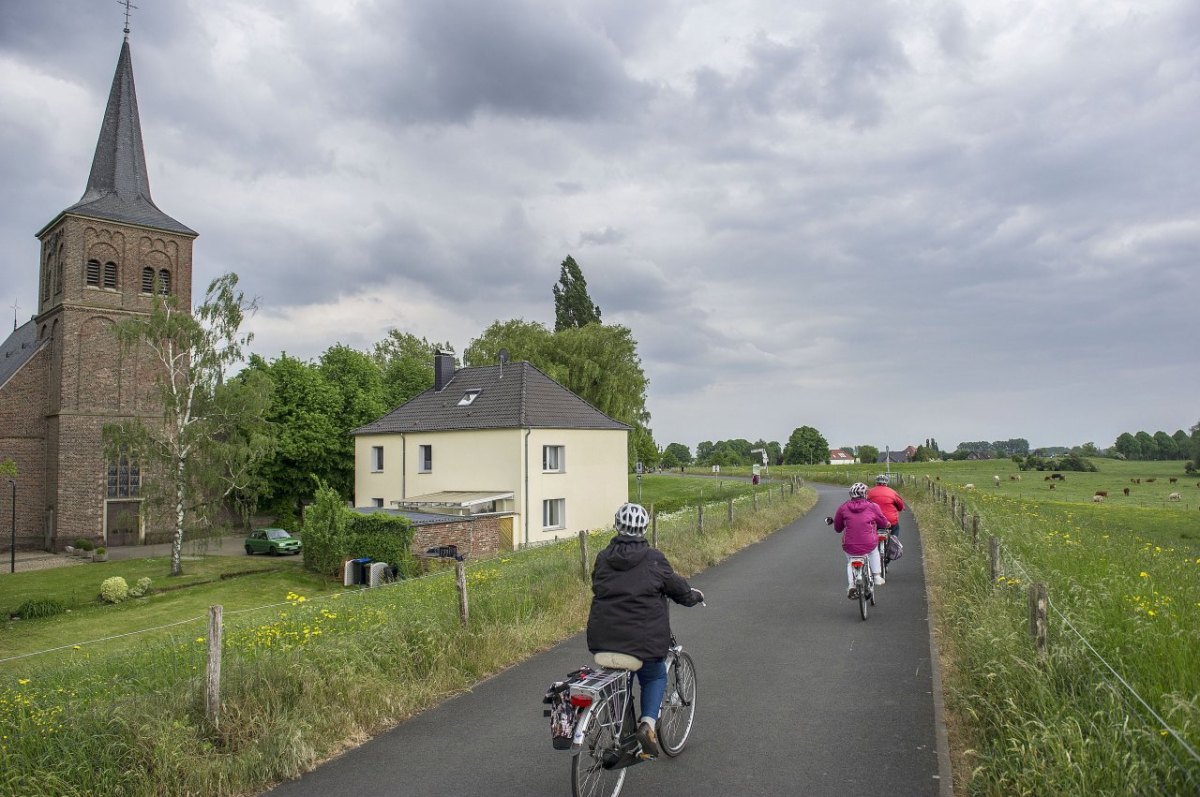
x,y
1046,479
1051,485
1097,499
1102,493
1174,497
1172,480
1137,481
1151,481
1058,476
1126,491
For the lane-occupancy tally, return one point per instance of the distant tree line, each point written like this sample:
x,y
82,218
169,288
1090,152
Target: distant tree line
x,y
1157,446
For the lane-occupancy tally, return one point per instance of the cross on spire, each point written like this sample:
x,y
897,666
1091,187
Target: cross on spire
x,y
15,308
129,6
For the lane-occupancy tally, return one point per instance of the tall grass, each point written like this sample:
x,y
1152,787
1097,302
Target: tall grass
x,y
311,676
1123,592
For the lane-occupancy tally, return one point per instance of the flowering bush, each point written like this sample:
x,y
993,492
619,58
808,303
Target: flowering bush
x,y
114,590
141,588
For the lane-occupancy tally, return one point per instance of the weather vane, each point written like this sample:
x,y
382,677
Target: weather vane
x,y
129,6
15,308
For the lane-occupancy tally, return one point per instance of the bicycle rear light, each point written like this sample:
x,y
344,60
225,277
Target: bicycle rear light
x,y
856,563
581,701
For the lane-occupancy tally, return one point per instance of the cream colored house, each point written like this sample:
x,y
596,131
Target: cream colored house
x,y
504,439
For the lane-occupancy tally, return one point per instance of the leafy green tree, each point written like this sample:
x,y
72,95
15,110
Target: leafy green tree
x,y
526,341
1165,446
679,452
1183,444
358,381
868,454
1196,447
1127,446
8,468
981,448
212,434
1146,446
302,411
324,533
806,446
406,365
642,447
573,307
703,449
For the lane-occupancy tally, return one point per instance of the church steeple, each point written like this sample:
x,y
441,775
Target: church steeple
x,y
118,188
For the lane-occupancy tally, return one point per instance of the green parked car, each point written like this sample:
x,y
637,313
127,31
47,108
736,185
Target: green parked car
x,y
272,541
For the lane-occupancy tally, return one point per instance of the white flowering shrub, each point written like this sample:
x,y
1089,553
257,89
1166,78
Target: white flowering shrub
x,y
141,588
114,590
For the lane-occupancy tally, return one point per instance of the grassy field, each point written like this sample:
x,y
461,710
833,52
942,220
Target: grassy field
x,y
306,677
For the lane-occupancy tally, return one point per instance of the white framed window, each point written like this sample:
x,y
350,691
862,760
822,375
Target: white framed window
x,y
377,459
554,513
424,459
554,459
377,502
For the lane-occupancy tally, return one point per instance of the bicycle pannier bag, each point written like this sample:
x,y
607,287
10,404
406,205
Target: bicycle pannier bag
x,y
561,712
894,549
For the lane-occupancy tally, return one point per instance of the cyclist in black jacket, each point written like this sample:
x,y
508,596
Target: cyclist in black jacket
x,y
630,585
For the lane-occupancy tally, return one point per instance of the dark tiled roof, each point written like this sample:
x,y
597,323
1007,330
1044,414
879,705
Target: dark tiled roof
x,y
118,189
17,350
513,396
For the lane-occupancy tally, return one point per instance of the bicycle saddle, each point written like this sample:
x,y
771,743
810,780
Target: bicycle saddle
x,y
618,661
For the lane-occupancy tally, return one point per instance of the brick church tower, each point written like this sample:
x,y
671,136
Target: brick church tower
x,y
63,375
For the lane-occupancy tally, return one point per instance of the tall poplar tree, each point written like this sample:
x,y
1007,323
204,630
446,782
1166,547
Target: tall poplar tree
x,y
573,307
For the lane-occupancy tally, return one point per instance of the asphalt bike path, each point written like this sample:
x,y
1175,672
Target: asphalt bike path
x,y
785,667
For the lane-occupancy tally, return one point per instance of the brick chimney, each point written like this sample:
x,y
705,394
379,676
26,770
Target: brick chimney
x,y
443,370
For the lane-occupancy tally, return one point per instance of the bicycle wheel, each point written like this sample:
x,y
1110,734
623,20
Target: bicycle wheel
x,y
864,586
589,776
678,706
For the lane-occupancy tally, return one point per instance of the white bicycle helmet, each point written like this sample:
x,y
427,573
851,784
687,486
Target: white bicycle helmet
x,y
858,490
631,519
881,479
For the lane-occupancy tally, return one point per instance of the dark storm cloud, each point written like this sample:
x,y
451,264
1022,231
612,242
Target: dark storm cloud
x,y
438,61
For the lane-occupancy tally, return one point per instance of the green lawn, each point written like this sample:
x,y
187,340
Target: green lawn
x,y
671,492
234,581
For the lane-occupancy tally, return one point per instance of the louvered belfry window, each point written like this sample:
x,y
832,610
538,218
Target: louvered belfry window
x,y
93,273
110,275
164,282
147,280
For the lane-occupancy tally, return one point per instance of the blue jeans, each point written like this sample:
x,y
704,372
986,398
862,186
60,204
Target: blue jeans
x,y
652,678
896,530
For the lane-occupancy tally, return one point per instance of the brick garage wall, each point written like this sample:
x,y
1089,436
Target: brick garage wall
x,y
485,530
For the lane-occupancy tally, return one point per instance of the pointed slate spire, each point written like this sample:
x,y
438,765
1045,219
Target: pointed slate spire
x,y
118,187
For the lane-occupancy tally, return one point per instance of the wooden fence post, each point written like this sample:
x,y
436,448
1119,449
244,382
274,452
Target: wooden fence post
x,y
1039,599
583,553
460,579
700,518
962,515
653,527
954,505
730,511
754,501
212,690
974,529
994,550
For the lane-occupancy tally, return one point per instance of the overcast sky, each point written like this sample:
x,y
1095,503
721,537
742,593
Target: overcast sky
x,y
887,220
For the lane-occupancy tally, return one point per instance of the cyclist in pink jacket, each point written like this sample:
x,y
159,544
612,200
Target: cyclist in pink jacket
x,y
857,521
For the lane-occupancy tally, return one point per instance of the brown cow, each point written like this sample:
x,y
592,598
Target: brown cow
x,y
1102,493
1151,481
1172,480
1126,491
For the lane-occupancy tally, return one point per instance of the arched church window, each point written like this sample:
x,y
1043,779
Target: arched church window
x,y
164,282
92,274
58,272
147,280
110,275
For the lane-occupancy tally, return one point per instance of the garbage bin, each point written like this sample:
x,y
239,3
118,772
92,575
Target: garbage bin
x,y
355,571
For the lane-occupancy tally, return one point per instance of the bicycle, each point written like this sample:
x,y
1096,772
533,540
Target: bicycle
x,y
884,559
864,584
604,741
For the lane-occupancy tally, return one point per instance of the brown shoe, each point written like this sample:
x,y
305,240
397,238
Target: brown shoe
x,y
648,739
